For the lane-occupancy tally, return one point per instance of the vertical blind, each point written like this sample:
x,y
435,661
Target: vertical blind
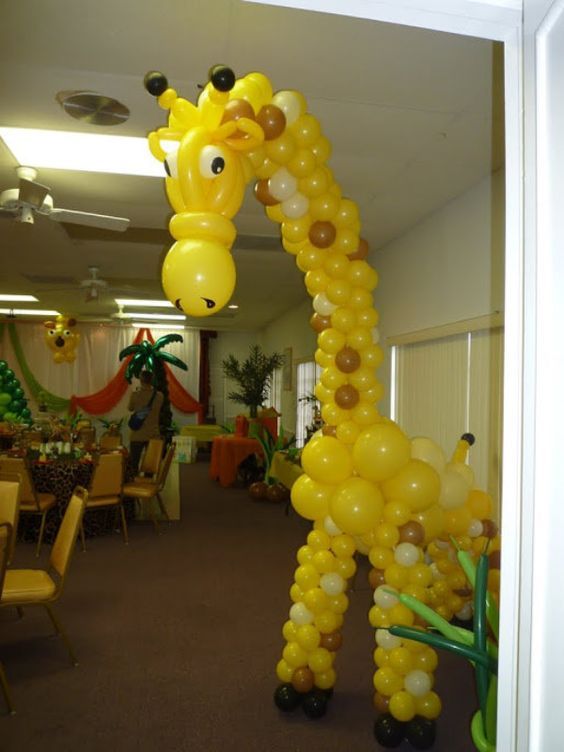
x,y
307,375
451,385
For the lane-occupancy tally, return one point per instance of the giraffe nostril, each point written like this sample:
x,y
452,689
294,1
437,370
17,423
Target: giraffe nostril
x,y
209,303
178,305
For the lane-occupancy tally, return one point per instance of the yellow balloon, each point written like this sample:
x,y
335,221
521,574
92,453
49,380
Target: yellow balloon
x,y
387,681
316,600
198,276
356,506
338,291
326,460
402,705
320,660
432,520
343,546
306,576
360,338
429,706
310,498
348,431
294,655
416,483
343,320
380,451
307,637
326,679
336,265
284,671
429,451
331,377
365,414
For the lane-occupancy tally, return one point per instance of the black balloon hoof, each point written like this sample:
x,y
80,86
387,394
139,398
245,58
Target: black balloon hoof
x,y
420,732
286,698
222,78
155,83
389,732
315,704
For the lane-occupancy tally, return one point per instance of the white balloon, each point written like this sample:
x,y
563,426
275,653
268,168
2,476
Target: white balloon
x,y
282,184
427,450
322,305
295,206
332,583
386,640
406,554
475,528
465,612
384,598
300,614
330,526
290,104
417,683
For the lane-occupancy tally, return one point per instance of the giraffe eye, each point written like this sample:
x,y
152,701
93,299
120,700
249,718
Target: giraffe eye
x,y
212,162
171,164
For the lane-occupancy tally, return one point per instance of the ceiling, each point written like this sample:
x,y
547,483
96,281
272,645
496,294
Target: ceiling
x,y
415,118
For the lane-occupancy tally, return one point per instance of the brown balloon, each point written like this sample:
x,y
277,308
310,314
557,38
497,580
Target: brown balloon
x,y
419,621
237,108
381,703
277,493
331,641
272,121
489,528
361,252
322,234
258,490
329,430
346,396
347,360
302,679
412,532
494,560
263,195
318,323
376,578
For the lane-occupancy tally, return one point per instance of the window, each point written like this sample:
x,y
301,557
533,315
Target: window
x,y
307,375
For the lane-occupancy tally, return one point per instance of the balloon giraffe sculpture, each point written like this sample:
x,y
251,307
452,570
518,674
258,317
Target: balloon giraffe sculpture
x,y
366,486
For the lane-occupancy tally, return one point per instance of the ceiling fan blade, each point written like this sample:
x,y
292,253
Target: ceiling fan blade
x,y
104,221
32,193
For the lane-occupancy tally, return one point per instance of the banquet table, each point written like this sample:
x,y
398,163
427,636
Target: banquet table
x,y
227,453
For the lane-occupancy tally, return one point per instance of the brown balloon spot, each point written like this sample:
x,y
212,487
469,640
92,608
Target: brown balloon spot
x,y
347,360
419,621
302,679
376,578
237,108
331,641
412,532
489,528
329,430
263,195
381,703
318,323
463,592
346,396
361,252
494,560
272,121
322,234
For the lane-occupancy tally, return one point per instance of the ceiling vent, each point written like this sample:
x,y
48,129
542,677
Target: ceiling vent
x,y
92,108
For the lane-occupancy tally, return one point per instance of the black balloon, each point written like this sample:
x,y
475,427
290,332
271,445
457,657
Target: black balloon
x,y
155,83
222,78
286,698
389,731
420,732
315,704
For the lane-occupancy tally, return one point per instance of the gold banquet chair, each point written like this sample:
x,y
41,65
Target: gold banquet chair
x,y
6,534
151,460
31,502
144,491
105,490
10,488
42,587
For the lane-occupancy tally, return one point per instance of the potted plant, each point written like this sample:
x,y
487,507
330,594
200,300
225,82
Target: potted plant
x,y
252,376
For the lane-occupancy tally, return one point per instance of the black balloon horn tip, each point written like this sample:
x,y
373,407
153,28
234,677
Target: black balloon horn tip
x,y
222,77
155,83
469,438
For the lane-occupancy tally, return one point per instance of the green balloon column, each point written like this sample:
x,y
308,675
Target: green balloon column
x,y
13,403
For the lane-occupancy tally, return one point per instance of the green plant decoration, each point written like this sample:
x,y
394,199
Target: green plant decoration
x,y
253,377
270,446
147,356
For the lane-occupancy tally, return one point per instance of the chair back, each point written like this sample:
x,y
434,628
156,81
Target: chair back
x,y
18,466
107,479
64,544
10,485
5,539
110,441
152,457
165,467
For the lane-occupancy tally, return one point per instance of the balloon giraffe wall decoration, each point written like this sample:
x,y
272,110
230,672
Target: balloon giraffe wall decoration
x,y
367,487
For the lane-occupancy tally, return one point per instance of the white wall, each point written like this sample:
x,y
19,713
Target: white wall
x,y
449,267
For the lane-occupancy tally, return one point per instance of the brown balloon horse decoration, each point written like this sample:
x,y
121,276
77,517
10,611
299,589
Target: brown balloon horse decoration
x,y
366,486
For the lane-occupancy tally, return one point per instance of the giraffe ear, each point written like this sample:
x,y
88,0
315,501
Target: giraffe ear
x,y
49,324
71,322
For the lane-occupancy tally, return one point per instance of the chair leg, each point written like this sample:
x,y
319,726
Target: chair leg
x,y
41,531
163,508
153,516
82,538
19,610
60,631
124,525
6,690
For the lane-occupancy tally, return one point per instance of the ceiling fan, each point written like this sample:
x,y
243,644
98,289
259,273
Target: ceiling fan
x,y
95,289
31,198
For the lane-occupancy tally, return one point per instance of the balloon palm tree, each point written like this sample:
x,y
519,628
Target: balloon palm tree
x,y
148,356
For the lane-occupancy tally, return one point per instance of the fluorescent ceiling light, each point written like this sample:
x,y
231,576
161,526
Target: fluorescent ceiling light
x,y
146,303
27,312
19,298
88,152
150,325
156,316
233,306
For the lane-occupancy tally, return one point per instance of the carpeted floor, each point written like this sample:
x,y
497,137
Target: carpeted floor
x,y
178,636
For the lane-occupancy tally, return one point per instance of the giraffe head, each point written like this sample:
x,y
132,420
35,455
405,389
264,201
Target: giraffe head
x,y
204,150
